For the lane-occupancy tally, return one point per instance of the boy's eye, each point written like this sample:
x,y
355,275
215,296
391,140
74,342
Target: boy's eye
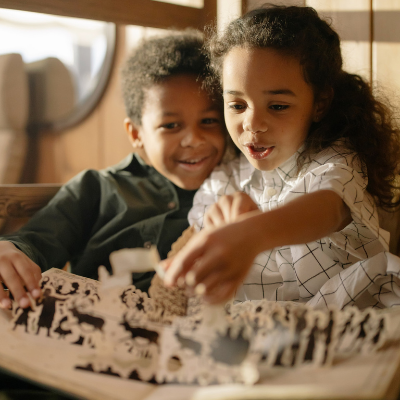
x,y
210,121
171,125
279,107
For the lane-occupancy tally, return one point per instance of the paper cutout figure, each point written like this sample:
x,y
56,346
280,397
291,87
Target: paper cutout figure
x,y
46,317
22,317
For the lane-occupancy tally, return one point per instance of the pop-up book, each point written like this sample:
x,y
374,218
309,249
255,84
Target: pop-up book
x,y
107,339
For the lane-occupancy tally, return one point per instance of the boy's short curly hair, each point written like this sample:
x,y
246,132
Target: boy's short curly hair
x,y
157,58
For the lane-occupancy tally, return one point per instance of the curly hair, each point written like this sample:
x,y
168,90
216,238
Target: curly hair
x,y
158,58
355,115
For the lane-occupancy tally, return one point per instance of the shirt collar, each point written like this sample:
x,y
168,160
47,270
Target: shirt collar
x,y
286,171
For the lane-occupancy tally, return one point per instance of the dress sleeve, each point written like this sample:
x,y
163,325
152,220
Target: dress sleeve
x,y
222,181
60,230
350,185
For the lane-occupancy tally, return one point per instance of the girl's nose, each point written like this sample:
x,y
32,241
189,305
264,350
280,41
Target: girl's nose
x,y
255,121
192,138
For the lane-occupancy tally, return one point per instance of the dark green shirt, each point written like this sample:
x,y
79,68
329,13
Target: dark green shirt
x,y
97,212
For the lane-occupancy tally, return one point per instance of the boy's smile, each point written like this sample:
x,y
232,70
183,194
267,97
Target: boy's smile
x,y
182,133
268,105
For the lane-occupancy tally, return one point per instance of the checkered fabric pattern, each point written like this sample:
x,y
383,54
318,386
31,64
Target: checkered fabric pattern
x,y
347,267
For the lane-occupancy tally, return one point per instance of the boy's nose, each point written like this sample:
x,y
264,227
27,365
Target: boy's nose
x,y
255,121
192,138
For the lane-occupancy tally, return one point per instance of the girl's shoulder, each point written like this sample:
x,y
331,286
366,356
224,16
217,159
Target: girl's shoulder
x,y
225,175
339,153
229,168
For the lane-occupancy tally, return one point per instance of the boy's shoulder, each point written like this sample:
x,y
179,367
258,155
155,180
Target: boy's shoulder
x,y
131,168
132,164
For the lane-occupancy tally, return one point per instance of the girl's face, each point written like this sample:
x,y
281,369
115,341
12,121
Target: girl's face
x,y
269,107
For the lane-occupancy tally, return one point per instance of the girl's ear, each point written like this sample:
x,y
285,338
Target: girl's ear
x,y
322,104
133,134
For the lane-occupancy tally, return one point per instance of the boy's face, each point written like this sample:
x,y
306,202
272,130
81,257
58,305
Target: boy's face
x,y
182,133
269,107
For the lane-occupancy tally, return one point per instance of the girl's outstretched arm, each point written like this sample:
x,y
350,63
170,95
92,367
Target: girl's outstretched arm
x,y
220,258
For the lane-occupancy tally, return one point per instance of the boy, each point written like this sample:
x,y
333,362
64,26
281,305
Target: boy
x,y
178,135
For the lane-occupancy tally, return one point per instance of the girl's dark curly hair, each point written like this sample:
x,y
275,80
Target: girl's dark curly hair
x,y
158,58
355,115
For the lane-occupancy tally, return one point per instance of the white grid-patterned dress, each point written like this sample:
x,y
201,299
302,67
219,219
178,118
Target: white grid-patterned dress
x,y
352,266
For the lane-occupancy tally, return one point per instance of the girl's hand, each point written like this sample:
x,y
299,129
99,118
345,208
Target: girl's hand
x,y
220,257
215,260
228,209
20,274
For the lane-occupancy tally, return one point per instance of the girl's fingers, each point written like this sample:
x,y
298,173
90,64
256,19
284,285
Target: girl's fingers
x,y
217,285
209,284
224,292
214,217
241,204
225,204
165,264
181,263
205,266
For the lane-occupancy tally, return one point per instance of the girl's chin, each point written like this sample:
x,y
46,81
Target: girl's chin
x,y
265,164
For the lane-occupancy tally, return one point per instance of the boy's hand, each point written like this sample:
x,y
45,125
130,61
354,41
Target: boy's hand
x,y
214,262
17,272
228,209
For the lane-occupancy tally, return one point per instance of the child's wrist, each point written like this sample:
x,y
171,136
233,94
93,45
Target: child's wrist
x,y
254,232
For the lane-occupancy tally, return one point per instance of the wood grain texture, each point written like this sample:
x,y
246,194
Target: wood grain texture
x,y
21,201
138,12
352,21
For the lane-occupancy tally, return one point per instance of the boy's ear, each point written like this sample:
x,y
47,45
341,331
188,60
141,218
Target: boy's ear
x,y
322,104
133,134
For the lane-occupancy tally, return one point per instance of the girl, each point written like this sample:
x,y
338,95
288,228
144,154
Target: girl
x,y
295,217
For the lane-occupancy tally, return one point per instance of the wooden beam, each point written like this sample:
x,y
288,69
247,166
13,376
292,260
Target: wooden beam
x,y
138,12
245,6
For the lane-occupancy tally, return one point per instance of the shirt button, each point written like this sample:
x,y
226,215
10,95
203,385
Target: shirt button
x,y
171,205
271,192
147,245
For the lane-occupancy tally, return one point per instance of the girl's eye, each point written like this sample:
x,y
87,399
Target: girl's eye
x,y
279,107
236,107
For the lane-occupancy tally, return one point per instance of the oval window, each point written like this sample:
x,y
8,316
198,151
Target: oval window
x,y
82,49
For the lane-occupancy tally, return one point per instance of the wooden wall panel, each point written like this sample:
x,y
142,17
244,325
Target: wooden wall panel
x,y
352,21
115,143
386,47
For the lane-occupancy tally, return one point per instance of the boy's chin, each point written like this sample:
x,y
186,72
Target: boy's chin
x,y
187,185
187,182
